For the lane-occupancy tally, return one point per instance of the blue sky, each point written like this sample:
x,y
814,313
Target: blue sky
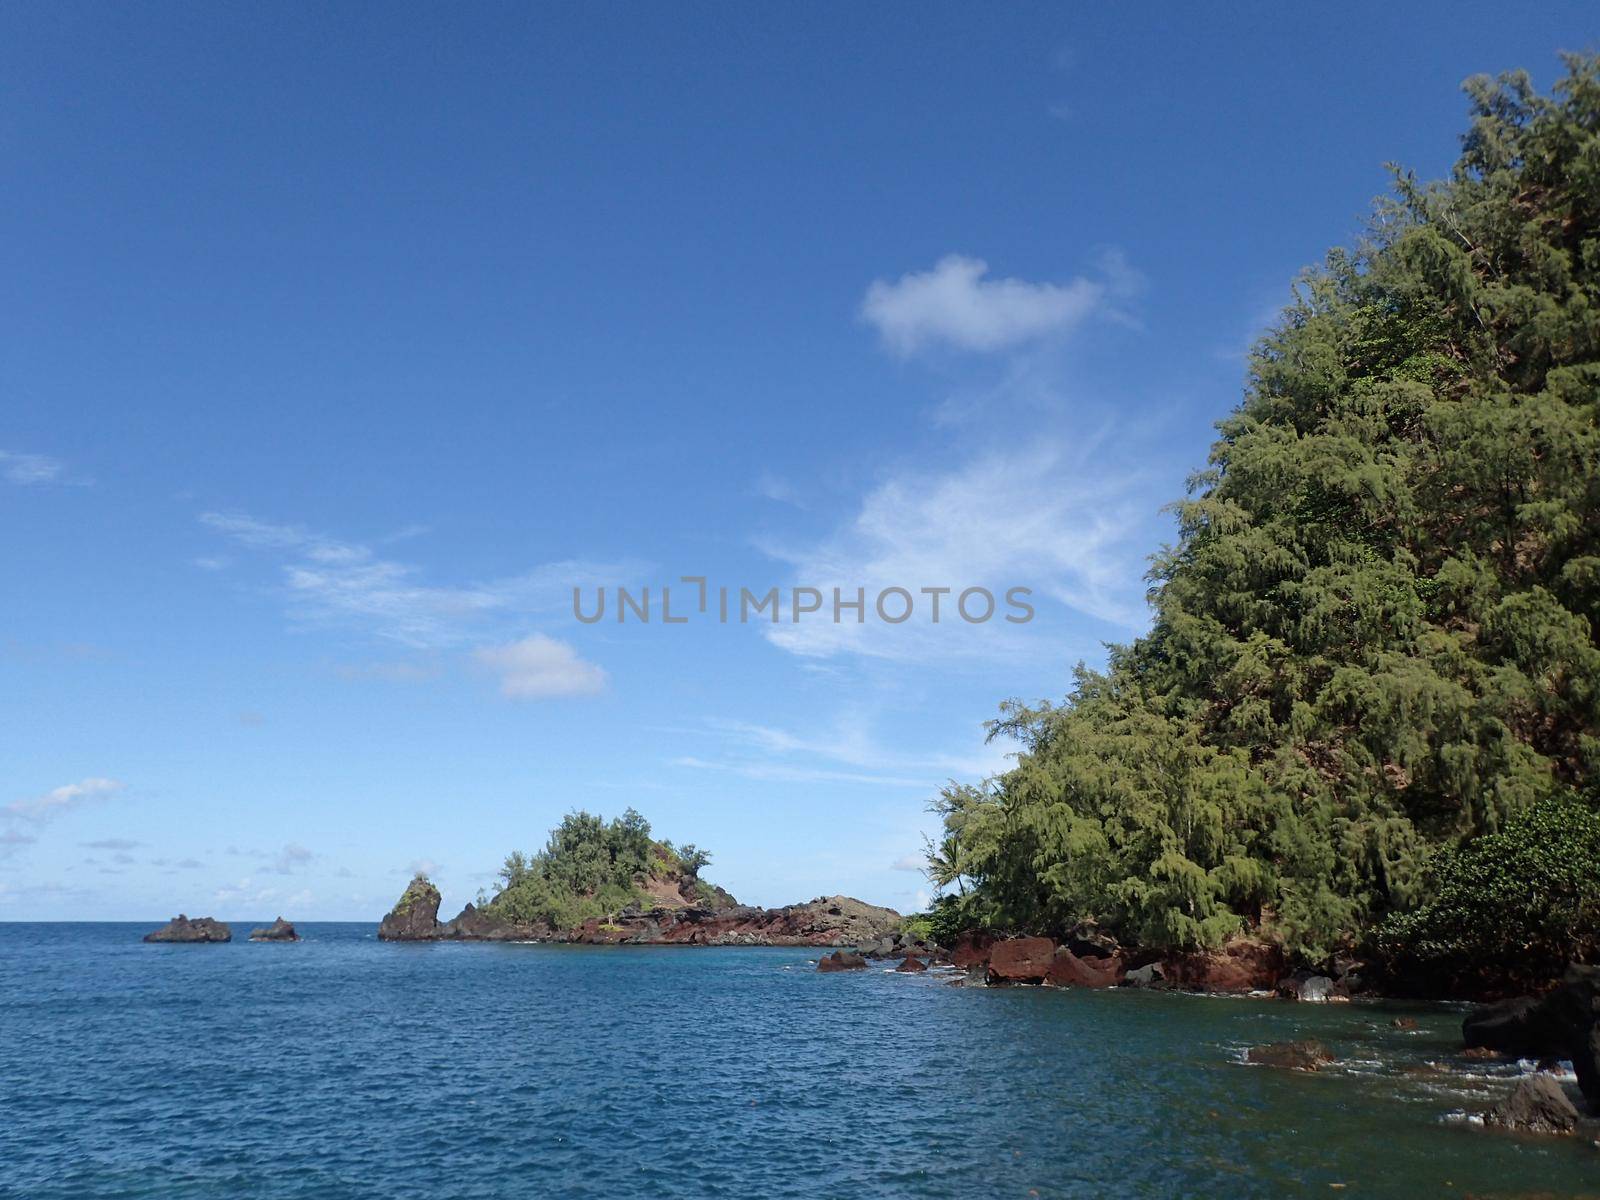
x,y
341,341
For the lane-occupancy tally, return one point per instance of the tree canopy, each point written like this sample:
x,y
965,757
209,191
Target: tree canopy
x,y
1376,634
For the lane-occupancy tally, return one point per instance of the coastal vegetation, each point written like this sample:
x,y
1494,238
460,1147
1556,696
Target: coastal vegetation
x,y
1367,713
591,868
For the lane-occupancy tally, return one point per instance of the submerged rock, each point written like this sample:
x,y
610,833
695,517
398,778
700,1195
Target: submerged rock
x,y
911,964
841,960
1536,1105
415,916
182,929
279,931
1291,1056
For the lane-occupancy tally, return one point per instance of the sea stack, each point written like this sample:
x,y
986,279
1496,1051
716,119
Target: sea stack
x,y
279,931
415,916
182,929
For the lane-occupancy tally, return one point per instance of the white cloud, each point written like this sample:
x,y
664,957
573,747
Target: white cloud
x,y
783,773
327,580
111,844
955,305
847,753
30,469
909,862
62,799
1045,517
425,867
540,667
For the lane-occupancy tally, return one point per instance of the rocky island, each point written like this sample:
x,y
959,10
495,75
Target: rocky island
x,y
183,929
612,883
279,931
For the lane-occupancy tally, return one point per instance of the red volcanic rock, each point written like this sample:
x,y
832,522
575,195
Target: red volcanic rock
x,y
971,949
840,961
1243,965
1021,959
1068,970
912,963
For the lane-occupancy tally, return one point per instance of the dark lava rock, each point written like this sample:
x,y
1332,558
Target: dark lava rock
x,y
182,929
415,916
839,960
1022,960
1292,1056
279,931
1562,1024
1536,1105
1088,940
912,963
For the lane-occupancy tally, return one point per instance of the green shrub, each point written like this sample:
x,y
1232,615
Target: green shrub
x,y
1506,908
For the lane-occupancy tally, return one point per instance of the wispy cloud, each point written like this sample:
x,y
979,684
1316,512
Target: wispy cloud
x,y
62,799
956,304
12,840
1038,517
845,753
111,844
31,470
541,668
330,581
909,862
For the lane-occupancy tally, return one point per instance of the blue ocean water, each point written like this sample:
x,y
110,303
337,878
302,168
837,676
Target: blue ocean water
x,y
342,1066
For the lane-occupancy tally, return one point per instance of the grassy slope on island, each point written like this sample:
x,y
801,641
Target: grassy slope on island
x,y
591,868
1375,638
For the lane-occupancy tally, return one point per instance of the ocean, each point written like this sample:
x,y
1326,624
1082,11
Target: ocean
x,y
342,1066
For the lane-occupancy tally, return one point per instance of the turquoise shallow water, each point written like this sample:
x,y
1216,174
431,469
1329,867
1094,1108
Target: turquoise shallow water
x,y
346,1067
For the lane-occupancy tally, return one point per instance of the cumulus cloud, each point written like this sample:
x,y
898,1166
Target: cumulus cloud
x,y
63,799
909,862
955,304
539,668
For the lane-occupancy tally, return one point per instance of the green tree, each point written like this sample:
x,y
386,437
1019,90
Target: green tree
x,y
1376,634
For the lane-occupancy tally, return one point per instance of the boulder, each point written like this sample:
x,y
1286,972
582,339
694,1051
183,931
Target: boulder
x,y
1087,940
971,948
1304,986
200,929
841,960
1149,975
1242,965
1069,970
1536,1105
911,964
279,931
415,916
1292,1056
1022,960
1562,1024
